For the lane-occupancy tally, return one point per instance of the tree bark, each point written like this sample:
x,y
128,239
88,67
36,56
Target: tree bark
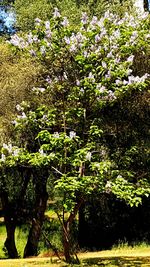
x,y
66,231
10,240
31,248
82,227
10,224
12,212
66,242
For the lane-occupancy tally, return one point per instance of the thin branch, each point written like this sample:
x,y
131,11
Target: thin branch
x,y
57,170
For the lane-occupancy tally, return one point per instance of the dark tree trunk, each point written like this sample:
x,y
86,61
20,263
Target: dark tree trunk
x,y
82,234
31,248
10,223
12,212
10,240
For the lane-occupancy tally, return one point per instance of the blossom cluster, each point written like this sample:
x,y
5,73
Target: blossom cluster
x,y
9,150
101,54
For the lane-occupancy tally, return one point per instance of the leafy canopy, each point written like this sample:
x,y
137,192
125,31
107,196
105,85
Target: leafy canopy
x,y
87,72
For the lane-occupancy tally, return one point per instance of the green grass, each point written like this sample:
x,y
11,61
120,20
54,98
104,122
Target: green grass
x,y
2,239
20,236
97,261
21,239
122,255
141,248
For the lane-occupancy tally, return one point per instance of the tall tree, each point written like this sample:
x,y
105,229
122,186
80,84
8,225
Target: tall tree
x,y
88,73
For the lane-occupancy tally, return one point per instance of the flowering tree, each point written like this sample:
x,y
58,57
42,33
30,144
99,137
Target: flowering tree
x,y
87,74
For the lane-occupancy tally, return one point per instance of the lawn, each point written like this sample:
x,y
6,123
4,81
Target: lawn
x,y
134,257
20,239
120,256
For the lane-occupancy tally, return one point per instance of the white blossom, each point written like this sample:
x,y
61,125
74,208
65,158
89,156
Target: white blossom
x,y
38,90
94,21
97,38
30,38
3,157
48,79
48,33
56,13
118,82
130,58
77,82
16,152
35,38
119,176
110,54
67,40
65,22
88,156
108,187
37,22
65,75
47,25
91,76
72,134
84,18
108,75
104,65
81,90
18,41
56,135
43,49
101,88
42,152
73,48
19,108
8,147
23,116
32,52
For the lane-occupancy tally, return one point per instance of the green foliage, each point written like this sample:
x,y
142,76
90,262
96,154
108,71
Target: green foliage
x,y
79,94
28,11
17,76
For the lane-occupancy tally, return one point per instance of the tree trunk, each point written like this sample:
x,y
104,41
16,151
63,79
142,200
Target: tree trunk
x,y
66,242
82,233
10,224
31,248
12,212
68,252
10,240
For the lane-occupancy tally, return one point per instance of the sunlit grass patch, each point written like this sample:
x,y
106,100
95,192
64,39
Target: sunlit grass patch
x,y
135,249
20,236
2,239
33,262
21,239
86,262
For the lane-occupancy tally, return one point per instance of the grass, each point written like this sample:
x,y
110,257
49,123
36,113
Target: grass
x,y
20,236
93,259
119,256
2,239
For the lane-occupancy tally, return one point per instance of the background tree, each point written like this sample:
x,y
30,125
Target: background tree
x,y
27,11
17,77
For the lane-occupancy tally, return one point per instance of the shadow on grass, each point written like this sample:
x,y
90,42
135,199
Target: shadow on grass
x,y
118,262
